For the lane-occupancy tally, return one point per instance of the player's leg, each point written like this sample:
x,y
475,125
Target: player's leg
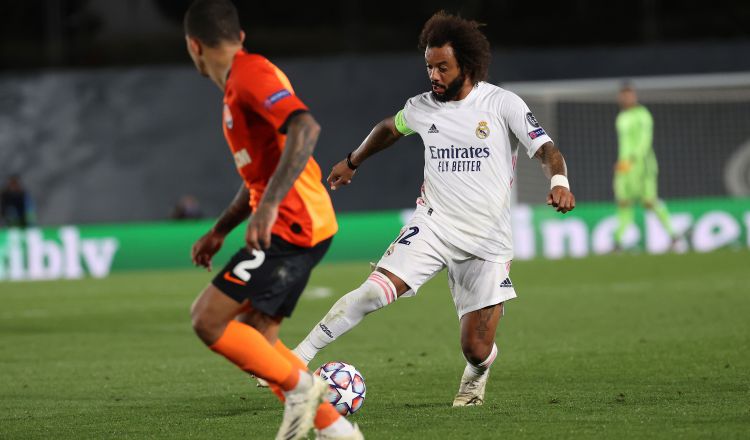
x,y
408,263
625,210
479,348
327,419
248,348
265,286
652,202
379,289
329,423
213,321
479,289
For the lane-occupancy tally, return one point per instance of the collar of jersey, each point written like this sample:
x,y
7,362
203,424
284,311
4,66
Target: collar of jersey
x,y
466,101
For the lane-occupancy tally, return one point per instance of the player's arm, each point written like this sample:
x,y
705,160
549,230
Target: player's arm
x,y
382,136
643,137
302,133
553,166
209,244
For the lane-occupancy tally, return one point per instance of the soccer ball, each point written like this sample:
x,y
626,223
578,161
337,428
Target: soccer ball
x,y
346,386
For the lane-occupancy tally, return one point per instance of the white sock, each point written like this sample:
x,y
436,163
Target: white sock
x,y
338,428
375,293
481,368
303,384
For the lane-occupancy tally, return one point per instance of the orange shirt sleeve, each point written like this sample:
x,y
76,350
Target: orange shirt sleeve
x,y
267,91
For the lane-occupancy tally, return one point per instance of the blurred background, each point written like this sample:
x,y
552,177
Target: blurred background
x,y
104,120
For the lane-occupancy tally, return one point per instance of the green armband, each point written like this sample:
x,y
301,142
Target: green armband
x,y
401,124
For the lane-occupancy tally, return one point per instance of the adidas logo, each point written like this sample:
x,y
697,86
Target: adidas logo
x,y
506,283
325,330
433,129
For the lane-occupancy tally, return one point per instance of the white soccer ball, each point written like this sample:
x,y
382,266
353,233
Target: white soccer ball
x,y
346,386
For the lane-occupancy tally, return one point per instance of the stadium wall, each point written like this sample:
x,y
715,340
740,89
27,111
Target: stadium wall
x,y
118,145
539,232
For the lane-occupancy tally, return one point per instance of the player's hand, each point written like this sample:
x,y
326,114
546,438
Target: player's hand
x,y
340,175
259,227
622,166
561,199
205,248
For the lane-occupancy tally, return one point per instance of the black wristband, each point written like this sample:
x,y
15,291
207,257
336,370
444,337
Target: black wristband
x,y
349,162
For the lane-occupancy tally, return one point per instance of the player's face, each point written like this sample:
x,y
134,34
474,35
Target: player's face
x,y
194,50
627,98
445,74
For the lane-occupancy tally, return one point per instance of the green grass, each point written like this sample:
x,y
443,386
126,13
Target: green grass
x,y
609,347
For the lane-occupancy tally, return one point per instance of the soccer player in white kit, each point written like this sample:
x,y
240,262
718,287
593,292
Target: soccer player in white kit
x,y
471,132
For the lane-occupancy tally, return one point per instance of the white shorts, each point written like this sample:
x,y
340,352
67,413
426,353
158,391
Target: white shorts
x,y
419,253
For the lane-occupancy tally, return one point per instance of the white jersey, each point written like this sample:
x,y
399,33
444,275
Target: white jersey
x,y
470,156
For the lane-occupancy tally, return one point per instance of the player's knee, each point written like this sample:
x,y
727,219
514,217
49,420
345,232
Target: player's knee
x,y
476,351
208,328
362,301
267,325
376,292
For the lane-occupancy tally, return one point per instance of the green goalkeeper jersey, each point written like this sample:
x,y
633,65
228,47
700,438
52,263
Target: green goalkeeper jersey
x,y
635,130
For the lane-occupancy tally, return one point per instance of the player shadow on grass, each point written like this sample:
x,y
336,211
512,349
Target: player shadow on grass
x,y
424,405
240,407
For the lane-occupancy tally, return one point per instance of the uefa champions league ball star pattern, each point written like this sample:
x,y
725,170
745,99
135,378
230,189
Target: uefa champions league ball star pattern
x,y
346,386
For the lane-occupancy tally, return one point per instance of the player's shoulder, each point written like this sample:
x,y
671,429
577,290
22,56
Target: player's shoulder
x,y
498,93
495,97
643,110
251,62
422,101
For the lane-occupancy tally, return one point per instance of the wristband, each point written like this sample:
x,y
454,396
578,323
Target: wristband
x,y
559,180
349,162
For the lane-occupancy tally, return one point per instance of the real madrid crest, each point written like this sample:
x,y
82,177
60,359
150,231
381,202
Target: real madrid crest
x,y
228,117
482,130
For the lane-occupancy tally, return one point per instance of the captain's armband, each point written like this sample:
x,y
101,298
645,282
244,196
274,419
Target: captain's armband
x,y
400,121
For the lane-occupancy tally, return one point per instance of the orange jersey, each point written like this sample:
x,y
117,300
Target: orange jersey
x,y
258,103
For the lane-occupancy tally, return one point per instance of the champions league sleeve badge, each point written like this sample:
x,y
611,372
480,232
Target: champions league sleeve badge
x,y
482,130
532,120
228,117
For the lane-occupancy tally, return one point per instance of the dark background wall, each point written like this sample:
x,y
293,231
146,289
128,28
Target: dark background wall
x,y
45,33
125,144
106,120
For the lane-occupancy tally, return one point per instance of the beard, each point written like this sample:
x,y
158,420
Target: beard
x,y
451,91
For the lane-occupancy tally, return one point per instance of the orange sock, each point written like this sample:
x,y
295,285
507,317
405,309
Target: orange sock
x,y
327,414
245,347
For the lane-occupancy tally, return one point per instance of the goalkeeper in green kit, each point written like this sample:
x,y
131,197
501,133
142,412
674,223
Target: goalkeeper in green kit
x,y
636,170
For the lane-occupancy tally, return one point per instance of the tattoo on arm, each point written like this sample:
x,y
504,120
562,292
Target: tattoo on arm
x,y
553,161
236,212
382,136
302,135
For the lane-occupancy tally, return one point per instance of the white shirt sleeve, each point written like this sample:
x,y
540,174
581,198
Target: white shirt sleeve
x,y
523,124
402,120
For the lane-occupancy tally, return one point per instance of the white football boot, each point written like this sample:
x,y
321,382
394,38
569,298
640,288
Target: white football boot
x,y
260,383
471,390
355,435
300,408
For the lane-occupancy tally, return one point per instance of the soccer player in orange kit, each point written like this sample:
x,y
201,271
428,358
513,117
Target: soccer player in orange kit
x,y
271,135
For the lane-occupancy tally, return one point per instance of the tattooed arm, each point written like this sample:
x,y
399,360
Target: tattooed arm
x,y
209,244
553,163
302,134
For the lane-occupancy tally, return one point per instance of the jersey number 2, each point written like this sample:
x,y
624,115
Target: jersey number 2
x,y
403,239
243,268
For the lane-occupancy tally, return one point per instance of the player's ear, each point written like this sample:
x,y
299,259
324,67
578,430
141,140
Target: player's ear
x,y
194,45
242,37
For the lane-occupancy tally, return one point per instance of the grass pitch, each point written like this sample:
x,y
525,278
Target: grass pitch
x,y
609,347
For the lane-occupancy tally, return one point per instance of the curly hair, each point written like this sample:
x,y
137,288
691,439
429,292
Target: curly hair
x,y
469,44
